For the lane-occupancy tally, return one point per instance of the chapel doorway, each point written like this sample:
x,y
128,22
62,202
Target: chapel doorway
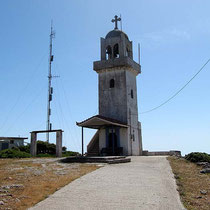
x,y
112,144
112,140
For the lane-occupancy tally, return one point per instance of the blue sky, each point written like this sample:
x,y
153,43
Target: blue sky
x,y
174,38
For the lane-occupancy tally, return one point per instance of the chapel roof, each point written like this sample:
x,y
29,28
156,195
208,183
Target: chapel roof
x,y
99,121
116,33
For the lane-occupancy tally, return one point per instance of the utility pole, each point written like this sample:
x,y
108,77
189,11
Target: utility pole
x,y
120,22
50,89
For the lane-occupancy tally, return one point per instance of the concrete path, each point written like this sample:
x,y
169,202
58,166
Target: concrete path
x,y
145,183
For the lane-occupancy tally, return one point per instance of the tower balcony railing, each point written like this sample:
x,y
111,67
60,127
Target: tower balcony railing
x,y
117,62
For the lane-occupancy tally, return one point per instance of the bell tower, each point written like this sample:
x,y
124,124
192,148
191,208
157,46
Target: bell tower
x,y
117,72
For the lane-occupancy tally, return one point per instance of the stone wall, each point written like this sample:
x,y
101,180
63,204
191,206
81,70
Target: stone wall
x,y
161,153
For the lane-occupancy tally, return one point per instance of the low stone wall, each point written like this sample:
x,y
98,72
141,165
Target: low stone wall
x,y
161,153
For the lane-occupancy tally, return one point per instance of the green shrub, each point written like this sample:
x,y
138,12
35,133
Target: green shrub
x,y
15,148
25,148
198,157
13,153
64,149
45,148
70,153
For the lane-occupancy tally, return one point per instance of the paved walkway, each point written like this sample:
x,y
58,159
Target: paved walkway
x,y
145,183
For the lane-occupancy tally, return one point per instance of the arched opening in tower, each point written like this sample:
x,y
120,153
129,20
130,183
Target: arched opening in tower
x,y
116,51
108,52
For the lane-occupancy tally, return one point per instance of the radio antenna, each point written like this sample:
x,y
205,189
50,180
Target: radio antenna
x,y
50,89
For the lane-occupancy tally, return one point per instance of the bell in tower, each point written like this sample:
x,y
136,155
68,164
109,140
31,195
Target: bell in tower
x,y
118,128
116,44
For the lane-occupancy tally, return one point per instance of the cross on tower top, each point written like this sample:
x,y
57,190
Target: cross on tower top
x,y
115,20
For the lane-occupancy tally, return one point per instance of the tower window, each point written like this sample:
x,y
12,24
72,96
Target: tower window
x,y
116,51
108,53
111,83
131,93
133,135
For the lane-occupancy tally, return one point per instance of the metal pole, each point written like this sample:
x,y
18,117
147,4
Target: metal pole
x,y
120,22
139,52
82,142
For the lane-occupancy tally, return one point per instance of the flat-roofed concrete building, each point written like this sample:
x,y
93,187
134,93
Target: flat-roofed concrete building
x,y
10,142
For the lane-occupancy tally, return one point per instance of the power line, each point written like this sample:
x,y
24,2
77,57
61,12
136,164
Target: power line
x,y
23,91
174,95
26,108
75,135
63,118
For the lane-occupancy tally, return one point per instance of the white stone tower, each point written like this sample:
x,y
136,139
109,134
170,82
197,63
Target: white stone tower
x,y
117,72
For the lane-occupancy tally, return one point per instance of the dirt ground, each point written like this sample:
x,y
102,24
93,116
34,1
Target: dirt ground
x,y
25,182
193,186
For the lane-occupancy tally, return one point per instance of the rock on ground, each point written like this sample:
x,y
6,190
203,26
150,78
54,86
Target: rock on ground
x,y
205,171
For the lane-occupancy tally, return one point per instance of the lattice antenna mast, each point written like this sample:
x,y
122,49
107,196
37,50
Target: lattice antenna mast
x,y
50,89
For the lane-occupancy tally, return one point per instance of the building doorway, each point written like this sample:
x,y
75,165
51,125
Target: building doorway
x,y
112,144
5,145
112,140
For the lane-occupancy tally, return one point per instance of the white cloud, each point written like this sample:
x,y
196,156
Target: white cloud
x,y
158,38
181,34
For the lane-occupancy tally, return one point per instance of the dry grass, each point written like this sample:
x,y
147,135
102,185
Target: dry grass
x,y
190,182
39,180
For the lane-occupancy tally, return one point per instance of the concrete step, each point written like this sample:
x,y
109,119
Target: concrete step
x,y
97,159
92,154
124,160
